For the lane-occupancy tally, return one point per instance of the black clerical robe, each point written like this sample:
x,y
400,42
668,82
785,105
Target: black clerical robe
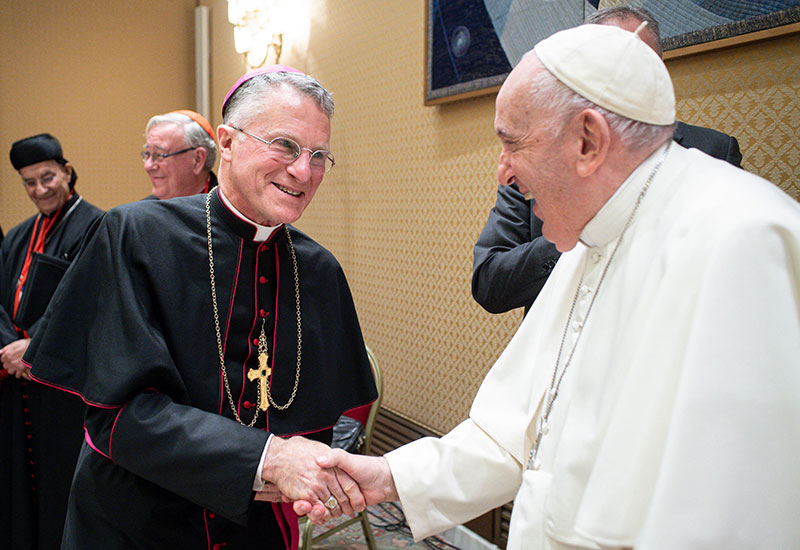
x,y
40,429
164,464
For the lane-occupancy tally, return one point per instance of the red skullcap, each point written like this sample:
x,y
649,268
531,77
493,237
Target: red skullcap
x,y
200,119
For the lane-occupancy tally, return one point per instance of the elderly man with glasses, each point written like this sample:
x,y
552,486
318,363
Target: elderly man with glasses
x,y
202,327
179,155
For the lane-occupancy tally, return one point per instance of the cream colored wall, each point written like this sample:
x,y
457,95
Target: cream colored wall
x,y
413,184
92,74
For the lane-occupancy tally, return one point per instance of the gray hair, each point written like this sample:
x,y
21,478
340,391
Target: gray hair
x,y
548,94
243,105
609,16
193,134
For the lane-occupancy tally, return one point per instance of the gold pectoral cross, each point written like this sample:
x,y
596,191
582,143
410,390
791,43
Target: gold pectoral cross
x,y
262,374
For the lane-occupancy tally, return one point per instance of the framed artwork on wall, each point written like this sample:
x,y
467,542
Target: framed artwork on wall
x,y
472,45
691,26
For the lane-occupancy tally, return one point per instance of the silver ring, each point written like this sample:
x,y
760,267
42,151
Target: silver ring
x,y
331,503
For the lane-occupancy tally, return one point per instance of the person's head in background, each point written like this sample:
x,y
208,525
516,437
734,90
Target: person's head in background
x,y
47,176
629,19
179,154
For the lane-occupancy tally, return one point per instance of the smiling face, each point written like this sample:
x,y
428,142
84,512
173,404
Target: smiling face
x,y
537,158
260,185
175,176
47,184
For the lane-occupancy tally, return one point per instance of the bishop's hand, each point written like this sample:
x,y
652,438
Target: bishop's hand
x,y
290,466
11,357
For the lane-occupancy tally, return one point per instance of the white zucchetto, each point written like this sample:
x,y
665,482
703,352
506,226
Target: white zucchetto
x,y
612,68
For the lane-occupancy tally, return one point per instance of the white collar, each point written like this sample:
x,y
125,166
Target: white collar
x,y
609,221
262,231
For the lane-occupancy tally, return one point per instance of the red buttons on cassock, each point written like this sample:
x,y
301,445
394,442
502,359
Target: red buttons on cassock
x,y
211,515
247,405
255,341
262,279
262,248
217,546
263,313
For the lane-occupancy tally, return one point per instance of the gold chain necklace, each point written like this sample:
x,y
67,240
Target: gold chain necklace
x,y
534,463
262,373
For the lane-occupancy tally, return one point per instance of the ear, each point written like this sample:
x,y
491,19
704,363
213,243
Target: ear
x,y
224,141
68,169
594,137
200,155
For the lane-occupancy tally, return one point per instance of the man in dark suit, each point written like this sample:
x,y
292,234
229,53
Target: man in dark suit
x,y
512,260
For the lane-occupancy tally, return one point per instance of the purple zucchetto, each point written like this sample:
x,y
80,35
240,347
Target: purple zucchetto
x,y
248,75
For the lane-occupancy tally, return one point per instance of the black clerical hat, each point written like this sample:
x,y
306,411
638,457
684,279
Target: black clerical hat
x,y
38,148
35,149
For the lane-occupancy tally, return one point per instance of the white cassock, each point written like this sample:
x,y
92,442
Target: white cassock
x,y
678,420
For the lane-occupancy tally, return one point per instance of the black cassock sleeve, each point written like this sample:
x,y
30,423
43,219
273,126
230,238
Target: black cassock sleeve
x,y
511,259
8,333
205,458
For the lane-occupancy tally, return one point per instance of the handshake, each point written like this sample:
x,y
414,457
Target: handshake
x,y
323,483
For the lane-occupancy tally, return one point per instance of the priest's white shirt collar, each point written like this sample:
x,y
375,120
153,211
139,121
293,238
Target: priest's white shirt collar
x,y
610,220
262,231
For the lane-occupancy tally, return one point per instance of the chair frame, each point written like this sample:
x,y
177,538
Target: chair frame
x,y
308,539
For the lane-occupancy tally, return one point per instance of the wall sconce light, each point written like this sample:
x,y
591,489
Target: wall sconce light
x,y
259,27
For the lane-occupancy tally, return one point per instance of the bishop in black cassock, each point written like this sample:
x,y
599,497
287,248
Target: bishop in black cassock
x,y
40,429
165,464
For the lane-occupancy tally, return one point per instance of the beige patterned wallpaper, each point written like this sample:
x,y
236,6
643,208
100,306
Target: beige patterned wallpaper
x,y
752,92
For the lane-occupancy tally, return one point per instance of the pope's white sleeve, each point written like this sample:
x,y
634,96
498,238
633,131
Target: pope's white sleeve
x,y
445,482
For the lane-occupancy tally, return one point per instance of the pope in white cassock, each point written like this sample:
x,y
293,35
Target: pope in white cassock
x,y
651,397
